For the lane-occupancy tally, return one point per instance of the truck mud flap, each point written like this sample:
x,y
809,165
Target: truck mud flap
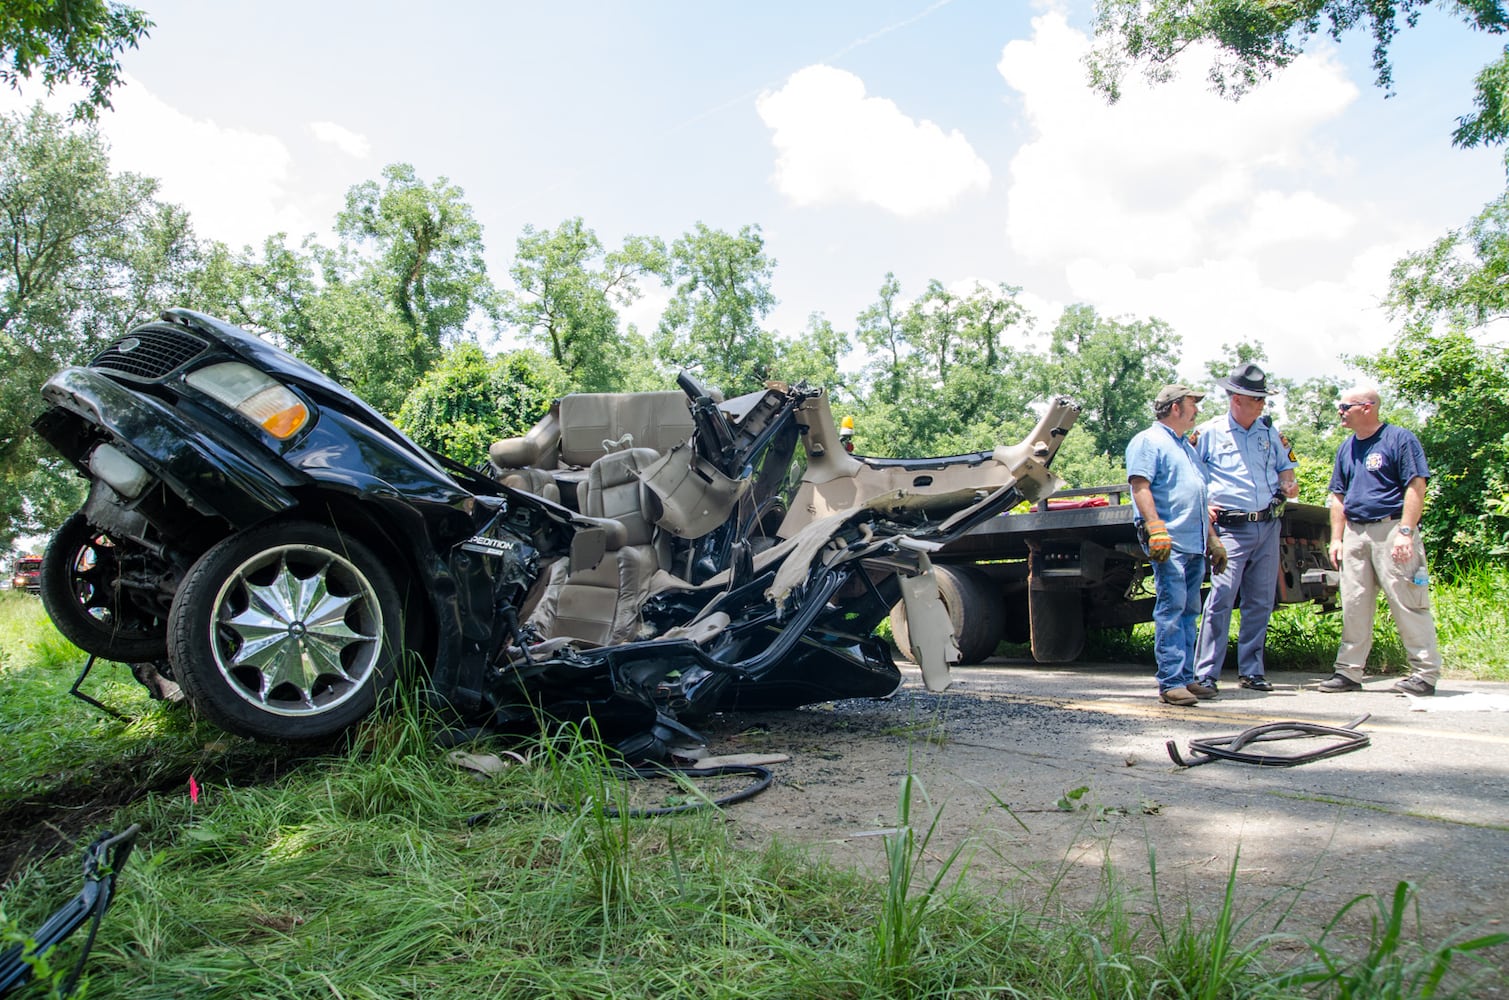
x,y
1058,625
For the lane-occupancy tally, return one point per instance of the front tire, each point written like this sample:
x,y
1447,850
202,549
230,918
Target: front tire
x,y
287,632
81,589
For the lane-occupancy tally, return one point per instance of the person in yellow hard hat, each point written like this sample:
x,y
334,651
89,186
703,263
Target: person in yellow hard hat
x,y
846,434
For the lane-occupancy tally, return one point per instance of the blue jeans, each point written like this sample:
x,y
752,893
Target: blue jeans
x,y
1176,617
1251,578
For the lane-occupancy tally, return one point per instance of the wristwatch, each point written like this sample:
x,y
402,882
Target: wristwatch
x,y
1406,530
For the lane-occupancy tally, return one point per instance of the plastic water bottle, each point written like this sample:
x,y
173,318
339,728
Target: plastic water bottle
x,y
1420,578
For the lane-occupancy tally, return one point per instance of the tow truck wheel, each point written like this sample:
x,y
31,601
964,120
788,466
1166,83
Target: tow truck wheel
x,y
80,588
973,609
287,631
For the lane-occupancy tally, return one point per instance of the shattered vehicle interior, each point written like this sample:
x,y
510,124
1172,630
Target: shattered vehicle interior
x,y
731,520
264,539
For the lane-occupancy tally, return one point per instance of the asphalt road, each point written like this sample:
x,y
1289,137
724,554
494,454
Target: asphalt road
x,y
1426,801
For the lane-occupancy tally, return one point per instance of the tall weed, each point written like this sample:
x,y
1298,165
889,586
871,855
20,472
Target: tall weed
x,y
1392,966
907,908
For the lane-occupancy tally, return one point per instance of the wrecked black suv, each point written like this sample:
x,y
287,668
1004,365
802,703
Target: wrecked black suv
x,y
275,546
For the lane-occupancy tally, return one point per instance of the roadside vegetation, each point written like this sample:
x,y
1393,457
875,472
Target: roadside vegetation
x,y
353,871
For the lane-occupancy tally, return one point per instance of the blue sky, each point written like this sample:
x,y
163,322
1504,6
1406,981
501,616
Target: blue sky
x,y
953,140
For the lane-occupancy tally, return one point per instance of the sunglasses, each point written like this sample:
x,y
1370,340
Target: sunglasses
x,y
1344,407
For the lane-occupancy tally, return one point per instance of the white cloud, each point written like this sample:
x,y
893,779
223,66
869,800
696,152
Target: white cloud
x,y
234,182
1232,221
1165,175
645,311
1278,217
1304,328
353,144
834,144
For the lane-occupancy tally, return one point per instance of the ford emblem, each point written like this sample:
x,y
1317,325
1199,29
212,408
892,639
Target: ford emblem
x,y
128,345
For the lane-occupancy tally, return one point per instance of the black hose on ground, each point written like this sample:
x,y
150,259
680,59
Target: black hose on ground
x,y
1211,748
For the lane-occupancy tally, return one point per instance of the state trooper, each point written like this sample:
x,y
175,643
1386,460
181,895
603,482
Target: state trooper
x,y
1251,475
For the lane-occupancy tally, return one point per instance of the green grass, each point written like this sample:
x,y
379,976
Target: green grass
x,y
355,874
57,745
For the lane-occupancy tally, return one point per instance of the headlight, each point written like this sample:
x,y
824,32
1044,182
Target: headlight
x,y
269,404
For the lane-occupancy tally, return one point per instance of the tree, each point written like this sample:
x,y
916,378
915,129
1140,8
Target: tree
x,y
816,357
331,308
1232,355
376,311
86,255
950,329
942,378
1080,464
712,324
74,40
1444,294
879,328
569,291
1461,280
1254,38
272,294
360,340
976,386
468,401
427,253
1114,368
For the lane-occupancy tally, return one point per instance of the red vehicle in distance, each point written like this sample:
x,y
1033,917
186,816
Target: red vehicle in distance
x,y
27,574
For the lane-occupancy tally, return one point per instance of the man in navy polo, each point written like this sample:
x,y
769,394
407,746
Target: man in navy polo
x,y
1168,490
1378,494
1251,473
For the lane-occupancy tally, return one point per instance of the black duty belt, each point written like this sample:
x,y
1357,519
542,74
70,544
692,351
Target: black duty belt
x,y
1230,517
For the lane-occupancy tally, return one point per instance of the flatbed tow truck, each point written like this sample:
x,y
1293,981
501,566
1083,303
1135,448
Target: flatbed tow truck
x,y
1046,575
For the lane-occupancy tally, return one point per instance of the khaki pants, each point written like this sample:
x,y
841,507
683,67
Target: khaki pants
x,y
1367,563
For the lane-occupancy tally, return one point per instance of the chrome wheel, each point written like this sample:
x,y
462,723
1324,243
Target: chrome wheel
x,y
299,630
288,631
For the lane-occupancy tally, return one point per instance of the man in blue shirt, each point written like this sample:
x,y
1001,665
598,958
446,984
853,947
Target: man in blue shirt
x,y
1377,496
1168,491
1251,474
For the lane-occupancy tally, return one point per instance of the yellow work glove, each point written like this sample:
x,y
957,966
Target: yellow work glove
x,y
1159,545
1217,556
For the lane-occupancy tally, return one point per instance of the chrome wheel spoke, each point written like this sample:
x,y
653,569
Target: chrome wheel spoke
x,y
291,641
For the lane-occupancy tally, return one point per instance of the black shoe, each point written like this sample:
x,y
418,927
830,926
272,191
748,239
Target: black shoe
x,y
1416,687
1258,683
1337,683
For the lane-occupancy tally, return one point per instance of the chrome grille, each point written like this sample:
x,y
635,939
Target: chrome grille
x,y
150,353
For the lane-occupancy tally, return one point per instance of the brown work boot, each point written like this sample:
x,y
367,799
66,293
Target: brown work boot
x,y
1178,696
1201,691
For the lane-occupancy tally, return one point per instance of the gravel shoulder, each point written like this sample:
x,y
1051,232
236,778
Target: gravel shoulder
x,y
1427,801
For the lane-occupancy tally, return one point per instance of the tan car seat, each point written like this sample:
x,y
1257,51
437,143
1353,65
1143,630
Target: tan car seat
x,y
600,603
